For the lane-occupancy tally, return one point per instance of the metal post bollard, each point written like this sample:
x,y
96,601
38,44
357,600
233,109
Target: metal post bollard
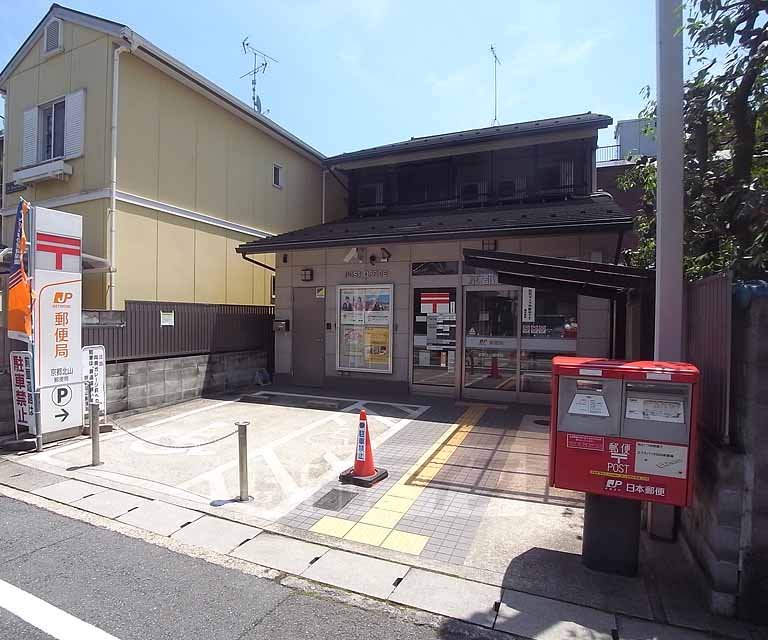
x,y
242,449
93,421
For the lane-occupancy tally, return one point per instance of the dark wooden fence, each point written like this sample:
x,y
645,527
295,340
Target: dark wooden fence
x,y
708,331
136,333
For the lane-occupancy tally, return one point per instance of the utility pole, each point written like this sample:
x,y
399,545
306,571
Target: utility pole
x,y
668,334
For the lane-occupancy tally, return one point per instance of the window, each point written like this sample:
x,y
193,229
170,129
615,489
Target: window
x,y
54,130
51,131
277,176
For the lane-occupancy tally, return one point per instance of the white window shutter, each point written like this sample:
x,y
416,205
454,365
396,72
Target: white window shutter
x,y
29,137
74,124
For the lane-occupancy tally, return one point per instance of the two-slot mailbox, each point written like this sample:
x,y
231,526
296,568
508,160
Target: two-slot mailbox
x,y
624,429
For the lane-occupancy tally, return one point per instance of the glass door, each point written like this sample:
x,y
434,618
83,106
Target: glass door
x,y
491,343
434,337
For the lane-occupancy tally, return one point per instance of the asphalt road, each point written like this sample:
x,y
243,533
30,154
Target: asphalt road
x,y
135,590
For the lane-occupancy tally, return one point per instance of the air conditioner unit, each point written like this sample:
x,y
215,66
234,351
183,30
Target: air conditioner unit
x,y
53,37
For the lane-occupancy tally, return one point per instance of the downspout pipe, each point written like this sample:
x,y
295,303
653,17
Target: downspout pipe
x,y
112,243
4,177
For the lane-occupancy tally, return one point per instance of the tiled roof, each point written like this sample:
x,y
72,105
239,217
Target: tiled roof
x,y
473,136
589,213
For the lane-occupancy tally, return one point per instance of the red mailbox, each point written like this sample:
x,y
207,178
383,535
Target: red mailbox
x,y
624,429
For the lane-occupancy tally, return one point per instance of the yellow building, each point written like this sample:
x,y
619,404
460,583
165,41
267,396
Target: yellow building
x,y
169,171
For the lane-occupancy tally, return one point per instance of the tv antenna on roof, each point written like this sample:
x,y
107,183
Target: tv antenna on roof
x,y
496,64
260,62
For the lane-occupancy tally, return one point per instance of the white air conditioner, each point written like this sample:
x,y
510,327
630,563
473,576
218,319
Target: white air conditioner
x,y
53,37
53,170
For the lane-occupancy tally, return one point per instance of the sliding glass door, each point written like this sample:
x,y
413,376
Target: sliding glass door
x,y
491,343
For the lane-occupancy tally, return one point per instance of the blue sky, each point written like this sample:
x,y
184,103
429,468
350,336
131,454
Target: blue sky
x,y
357,74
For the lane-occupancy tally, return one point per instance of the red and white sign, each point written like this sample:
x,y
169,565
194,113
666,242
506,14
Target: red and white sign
x,y
624,468
640,467
57,281
23,391
435,302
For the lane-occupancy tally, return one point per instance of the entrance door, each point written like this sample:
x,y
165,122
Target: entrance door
x,y
491,343
308,337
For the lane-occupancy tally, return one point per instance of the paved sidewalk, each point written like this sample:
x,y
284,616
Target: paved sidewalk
x,y
488,606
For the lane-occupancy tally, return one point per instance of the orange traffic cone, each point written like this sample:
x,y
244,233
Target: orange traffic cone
x,y
364,473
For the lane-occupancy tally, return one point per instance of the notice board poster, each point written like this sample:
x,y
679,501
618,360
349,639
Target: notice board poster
x,y
364,328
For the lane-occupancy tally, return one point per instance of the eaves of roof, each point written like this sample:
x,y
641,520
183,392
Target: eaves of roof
x,y
161,59
584,215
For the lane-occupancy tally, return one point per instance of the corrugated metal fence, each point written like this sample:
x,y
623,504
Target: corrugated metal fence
x,y
136,333
708,327
195,329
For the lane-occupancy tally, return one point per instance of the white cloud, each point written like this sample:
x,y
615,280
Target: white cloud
x,y
541,57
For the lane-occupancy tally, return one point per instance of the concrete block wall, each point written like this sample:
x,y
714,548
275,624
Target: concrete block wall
x,y
132,386
726,527
712,525
749,426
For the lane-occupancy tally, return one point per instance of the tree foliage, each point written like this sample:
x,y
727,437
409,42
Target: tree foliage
x,y
726,145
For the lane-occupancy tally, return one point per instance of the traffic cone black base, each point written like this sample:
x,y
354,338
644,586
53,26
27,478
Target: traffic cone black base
x,y
349,477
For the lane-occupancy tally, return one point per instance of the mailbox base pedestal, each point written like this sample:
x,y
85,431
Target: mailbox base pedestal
x,y
611,534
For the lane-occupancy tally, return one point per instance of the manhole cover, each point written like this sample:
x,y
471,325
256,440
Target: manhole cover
x,y
335,500
541,422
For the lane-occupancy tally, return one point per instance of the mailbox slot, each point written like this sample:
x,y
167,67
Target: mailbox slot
x,y
656,411
589,405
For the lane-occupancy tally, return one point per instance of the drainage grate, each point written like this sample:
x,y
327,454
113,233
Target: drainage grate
x,y
335,500
541,422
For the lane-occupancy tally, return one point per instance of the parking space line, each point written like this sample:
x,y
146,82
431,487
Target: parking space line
x,y
47,456
44,616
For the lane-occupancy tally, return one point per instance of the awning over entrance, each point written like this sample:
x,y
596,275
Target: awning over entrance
x,y
596,279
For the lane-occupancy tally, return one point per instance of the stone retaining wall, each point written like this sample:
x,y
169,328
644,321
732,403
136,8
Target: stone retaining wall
x,y
726,527
145,384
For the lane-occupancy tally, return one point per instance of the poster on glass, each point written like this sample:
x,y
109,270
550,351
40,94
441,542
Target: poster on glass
x,y
364,328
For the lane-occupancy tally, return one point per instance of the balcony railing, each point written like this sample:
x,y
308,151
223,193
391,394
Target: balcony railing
x,y
609,153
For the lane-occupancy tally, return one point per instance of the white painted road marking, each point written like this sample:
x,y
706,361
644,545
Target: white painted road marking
x,y
49,619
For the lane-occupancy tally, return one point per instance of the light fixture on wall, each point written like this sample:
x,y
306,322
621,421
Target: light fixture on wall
x,y
306,275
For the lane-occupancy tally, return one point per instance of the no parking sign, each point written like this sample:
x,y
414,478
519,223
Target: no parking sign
x,y
94,378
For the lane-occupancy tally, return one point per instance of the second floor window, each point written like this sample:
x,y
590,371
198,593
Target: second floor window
x,y
51,131
277,176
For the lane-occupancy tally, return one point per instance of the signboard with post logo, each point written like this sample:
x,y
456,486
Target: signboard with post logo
x,y
57,281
